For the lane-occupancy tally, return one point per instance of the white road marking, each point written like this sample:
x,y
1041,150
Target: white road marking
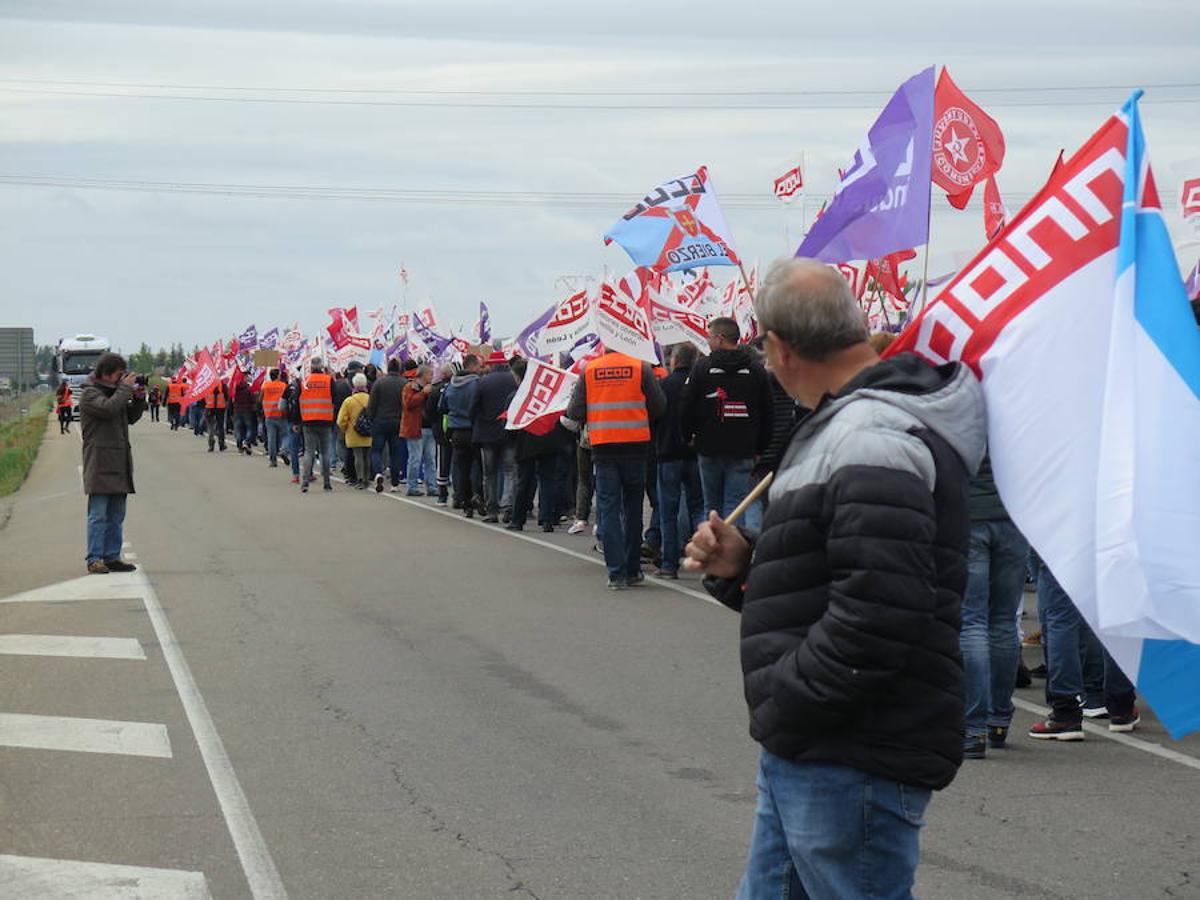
x,y
521,536
1119,737
257,864
33,878
70,645
84,735
114,586
130,556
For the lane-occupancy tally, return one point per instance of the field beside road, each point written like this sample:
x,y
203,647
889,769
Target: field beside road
x,y
22,425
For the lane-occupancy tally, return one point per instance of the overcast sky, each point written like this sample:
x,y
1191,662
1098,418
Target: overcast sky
x,y
678,83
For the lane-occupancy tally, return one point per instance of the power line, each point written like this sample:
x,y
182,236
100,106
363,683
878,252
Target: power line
x,y
266,89
549,107
416,196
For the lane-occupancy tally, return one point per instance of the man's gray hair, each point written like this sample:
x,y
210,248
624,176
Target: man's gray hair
x,y
424,369
359,380
316,364
809,305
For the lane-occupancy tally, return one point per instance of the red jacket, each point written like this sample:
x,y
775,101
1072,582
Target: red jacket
x,y
412,403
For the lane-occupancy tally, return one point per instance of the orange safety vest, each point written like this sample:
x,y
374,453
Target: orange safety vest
x,y
271,392
216,397
316,398
65,402
616,406
175,392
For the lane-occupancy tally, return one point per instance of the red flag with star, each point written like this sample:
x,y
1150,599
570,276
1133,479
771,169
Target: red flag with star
x,y
968,146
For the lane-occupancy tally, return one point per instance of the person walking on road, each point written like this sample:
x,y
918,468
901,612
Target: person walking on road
x,y
416,434
176,389
357,444
243,417
435,420
850,597
316,412
110,402
495,392
275,415
62,407
678,473
618,397
456,404
384,408
215,403
154,399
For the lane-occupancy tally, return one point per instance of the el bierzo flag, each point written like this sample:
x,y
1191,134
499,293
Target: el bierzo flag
x,y
1076,322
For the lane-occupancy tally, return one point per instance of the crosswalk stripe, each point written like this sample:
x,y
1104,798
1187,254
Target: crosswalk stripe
x,y
70,645
35,878
84,735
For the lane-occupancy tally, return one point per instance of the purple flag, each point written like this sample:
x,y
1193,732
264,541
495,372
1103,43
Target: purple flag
x,y
527,339
270,340
484,327
248,339
434,341
881,204
1193,283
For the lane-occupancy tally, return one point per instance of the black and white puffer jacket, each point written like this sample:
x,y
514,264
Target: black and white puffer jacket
x,y
851,606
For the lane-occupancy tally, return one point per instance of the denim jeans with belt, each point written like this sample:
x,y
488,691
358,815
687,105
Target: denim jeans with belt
x,y
727,481
991,648
825,830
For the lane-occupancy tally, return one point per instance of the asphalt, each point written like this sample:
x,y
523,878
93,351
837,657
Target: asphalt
x,y
417,706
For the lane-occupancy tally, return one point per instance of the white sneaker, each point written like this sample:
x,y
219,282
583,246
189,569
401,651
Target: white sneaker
x,y
577,527
1095,712
397,488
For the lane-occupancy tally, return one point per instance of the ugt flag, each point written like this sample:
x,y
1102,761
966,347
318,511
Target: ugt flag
x,y
678,225
248,339
1076,321
881,204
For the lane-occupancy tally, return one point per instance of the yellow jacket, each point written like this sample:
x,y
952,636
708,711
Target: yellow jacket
x,y
348,415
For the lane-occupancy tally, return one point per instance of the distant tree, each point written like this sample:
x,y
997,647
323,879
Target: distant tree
x,y
160,359
143,360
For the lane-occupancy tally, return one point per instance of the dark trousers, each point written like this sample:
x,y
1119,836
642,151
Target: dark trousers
x,y
154,412
583,483
540,472
445,454
620,486
173,416
387,434
466,489
214,420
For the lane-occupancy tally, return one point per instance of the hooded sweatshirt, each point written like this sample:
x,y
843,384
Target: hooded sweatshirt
x,y
726,405
851,604
458,399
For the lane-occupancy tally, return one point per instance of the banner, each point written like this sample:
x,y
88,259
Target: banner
x,y
676,324
622,323
968,146
789,184
483,327
1076,322
1190,198
202,378
678,225
270,340
881,203
543,394
248,339
572,319
528,339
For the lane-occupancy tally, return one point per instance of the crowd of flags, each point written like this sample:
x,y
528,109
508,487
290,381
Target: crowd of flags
x,y
1073,315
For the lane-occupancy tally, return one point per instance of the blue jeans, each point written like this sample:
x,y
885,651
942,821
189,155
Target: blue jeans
x,y
620,483
387,434
991,648
319,439
540,472
421,462
678,484
823,830
243,428
105,526
295,447
278,429
726,483
1064,632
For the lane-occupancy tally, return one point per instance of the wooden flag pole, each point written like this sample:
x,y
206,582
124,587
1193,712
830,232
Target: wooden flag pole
x,y
746,280
741,508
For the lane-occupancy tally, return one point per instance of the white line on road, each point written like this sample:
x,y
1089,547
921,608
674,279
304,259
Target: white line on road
x,y
114,586
1119,737
70,645
84,735
33,878
257,864
654,582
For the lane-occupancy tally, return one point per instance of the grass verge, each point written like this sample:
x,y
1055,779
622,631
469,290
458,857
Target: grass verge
x,y
20,439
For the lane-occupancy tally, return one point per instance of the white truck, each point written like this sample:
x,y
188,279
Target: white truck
x,y
74,359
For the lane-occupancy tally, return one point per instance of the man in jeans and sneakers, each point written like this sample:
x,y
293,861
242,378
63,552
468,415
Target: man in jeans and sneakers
x,y
1062,632
385,409
991,647
850,597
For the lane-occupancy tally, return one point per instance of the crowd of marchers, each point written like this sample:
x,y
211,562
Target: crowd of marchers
x,y
880,580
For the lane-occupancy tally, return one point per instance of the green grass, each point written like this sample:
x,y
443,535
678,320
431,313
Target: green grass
x,y
20,439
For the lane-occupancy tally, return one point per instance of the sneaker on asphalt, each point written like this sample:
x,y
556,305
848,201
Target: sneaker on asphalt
x,y
414,494
295,479
1124,721
1053,729
639,578
616,584
513,526
997,735
97,567
378,483
304,488
1024,679
577,527
666,573
491,520
470,513
119,565
396,489
975,747
1095,712
441,501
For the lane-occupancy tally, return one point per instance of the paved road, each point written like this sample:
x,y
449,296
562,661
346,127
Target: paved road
x,y
361,696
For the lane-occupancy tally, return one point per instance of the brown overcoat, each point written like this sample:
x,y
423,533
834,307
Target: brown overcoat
x,y
105,414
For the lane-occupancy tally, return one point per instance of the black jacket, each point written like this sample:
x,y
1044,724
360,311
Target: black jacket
x,y
727,405
384,405
668,431
340,390
851,606
492,397
432,417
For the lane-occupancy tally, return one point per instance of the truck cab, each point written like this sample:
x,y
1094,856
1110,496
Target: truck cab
x,y
74,359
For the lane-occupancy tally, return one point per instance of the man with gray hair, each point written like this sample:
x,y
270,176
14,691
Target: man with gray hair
x,y
850,597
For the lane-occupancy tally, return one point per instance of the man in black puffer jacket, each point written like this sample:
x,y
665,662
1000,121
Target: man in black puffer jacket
x,y
850,597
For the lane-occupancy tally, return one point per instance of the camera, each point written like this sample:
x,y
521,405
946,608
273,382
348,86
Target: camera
x,y
140,380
